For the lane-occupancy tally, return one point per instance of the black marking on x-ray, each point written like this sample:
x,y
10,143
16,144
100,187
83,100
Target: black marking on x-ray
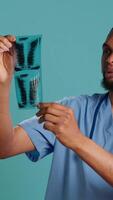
x,y
23,38
23,75
19,69
36,67
20,53
31,52
23,92
33,90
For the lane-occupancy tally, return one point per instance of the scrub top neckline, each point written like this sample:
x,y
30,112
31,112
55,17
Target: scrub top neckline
x,y
109,114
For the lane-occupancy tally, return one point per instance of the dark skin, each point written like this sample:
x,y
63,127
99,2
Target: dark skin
x,y
61,121
107,63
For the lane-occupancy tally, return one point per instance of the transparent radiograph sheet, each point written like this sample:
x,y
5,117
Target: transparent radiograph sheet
x,y
28,76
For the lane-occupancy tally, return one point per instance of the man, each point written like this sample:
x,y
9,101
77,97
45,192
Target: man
x,y
78,130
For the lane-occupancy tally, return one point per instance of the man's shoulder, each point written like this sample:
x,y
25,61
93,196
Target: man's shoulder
x,y
82,99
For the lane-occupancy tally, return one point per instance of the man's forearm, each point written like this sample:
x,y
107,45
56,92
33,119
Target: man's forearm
x,y
95,156
6,127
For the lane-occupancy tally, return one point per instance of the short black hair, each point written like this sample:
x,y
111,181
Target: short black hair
x,y
110,33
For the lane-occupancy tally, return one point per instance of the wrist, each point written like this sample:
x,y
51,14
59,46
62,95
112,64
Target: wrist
x,y
4,100
78,142
4,90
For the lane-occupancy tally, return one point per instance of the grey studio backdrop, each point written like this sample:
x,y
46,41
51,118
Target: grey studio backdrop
x,y
72,34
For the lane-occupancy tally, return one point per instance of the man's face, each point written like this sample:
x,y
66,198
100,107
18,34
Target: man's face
x,y
107,64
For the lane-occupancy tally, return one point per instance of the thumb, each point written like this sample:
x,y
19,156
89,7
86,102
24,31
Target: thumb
x,y
11,38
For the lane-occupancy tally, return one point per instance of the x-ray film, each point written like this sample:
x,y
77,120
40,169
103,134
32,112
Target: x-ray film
x,y
28,76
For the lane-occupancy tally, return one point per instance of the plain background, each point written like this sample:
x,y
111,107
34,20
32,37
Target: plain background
x,y
73,32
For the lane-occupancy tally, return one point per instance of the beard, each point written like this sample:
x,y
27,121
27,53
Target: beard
x,y
107,85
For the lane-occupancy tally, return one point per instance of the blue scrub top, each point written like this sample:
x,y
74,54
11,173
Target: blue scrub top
x,y
71,178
